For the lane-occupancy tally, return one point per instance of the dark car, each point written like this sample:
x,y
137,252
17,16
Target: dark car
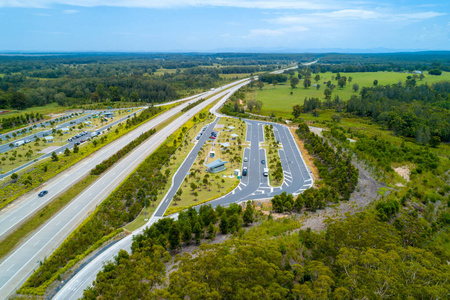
x,y
263,162
43,193
244,171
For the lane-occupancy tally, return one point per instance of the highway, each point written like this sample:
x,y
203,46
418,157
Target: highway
x,y
254,186
16,267
21,209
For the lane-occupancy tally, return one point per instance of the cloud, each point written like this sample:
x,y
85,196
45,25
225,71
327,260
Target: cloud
x,y
71,11
353,14
275,32
255,4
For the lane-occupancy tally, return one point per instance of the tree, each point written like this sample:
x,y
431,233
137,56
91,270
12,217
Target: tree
x,y
307,82
342,81
19,100
355,87
274,83
114,93
375,82
294,82
251,104
350,79
327,92
258,105
421,77
54,156
260,84
317,86
436,72
336,118
101,91
248,214
296,111
193,186
76,149
317,78
187,233
197,232
174,236
95,97
14,176
224,223
67,152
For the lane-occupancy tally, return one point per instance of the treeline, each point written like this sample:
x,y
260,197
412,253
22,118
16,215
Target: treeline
x,y
335,168
270,78
104,165
192,105
23,119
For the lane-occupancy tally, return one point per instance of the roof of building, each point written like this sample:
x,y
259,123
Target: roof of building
x,y
65,129
234,135
231,127
226,145
49,137
217,163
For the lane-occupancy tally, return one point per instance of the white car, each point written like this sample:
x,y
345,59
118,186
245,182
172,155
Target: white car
x,y
245,159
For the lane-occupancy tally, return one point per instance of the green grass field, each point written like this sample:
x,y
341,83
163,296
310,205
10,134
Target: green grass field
x,y
279,101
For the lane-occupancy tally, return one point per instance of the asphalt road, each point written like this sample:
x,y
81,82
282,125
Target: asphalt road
x,y
16,267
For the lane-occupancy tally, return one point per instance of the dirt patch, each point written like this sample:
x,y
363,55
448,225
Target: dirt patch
x,y
309,159
404,172
49,149
316,130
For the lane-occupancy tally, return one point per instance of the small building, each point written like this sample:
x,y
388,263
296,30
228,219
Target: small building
x,y
216,166
234,136
108,114
231,128
417,72
65,129
212,154
87,122
225,145
49,139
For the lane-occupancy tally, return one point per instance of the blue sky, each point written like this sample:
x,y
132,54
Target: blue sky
x,y
211,25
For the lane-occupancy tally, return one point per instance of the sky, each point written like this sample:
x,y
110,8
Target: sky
x,y
223,25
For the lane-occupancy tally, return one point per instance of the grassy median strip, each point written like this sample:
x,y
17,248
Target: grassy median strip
x,y
44,214
273,156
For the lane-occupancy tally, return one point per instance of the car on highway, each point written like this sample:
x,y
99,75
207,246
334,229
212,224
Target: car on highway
x,y
244,171
43,193
246,159
263,162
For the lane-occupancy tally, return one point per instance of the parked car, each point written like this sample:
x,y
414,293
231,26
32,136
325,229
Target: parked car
x,y
244,171
246,159
212,137
263,162
43,193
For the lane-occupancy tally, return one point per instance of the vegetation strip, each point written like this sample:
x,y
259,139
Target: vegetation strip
x,y
273,156
121,207
37,174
